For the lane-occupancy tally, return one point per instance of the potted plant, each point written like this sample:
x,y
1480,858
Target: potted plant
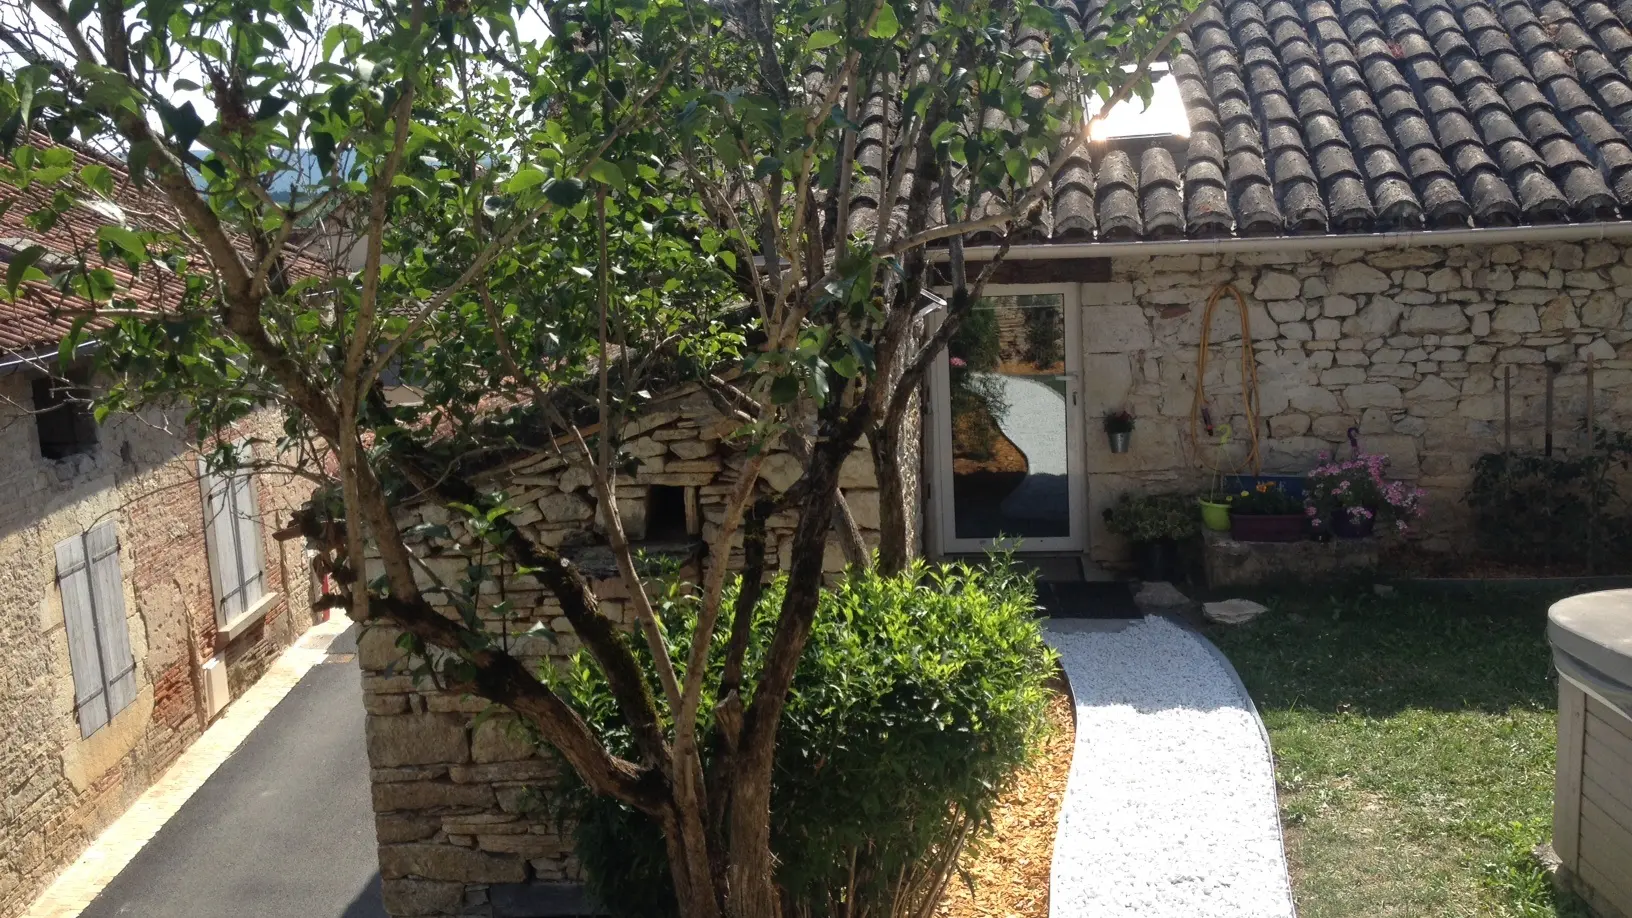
x,y
1154,523
1215,505
1265,512
1351,496
1119,428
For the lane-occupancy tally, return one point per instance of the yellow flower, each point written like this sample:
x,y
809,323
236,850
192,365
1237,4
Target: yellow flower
x,y
1243,494
1263,487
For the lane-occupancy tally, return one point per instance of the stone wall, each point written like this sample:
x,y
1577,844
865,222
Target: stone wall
x,y
62,789
1410,346
456,818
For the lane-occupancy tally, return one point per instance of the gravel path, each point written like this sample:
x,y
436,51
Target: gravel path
x,y
1170,808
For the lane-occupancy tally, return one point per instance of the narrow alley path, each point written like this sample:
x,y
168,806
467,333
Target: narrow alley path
x,y
283,829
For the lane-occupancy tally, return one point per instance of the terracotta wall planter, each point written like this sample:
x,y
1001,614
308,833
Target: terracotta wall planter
x,y
1287,527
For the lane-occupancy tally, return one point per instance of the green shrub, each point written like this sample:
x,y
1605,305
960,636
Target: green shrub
x,y
918,699
1150,517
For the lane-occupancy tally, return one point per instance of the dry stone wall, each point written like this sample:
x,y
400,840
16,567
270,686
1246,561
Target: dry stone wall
x,y
1410,346
458,818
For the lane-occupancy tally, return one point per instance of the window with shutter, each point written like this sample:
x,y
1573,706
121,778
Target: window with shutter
x,y
233,533
93,610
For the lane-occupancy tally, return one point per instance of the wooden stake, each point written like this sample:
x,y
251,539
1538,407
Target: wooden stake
x,y
1507,410
1547,424
1592,414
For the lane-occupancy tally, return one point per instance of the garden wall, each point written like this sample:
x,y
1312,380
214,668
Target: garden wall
x,y
1410,346
458,822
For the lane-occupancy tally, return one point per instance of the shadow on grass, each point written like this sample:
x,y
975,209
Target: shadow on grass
x,y
1351,651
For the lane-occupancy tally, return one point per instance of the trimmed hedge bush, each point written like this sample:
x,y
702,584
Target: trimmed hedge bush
x,y
918,699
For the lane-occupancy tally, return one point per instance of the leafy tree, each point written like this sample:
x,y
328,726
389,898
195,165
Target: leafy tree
x,y
535,233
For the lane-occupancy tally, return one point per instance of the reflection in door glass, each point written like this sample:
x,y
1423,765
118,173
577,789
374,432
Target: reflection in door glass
x,y
1008,413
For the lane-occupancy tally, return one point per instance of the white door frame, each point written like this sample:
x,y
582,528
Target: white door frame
x,y
942,519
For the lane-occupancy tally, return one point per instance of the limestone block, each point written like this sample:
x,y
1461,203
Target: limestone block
x,y
1297,331
1376,320
1291,424
1119,329
1286,310
1233,611
1599,254
1559,315
864,507
405,898
1342,376
1159,597
857,471
1585,280
691,449
430,795
1432,388
1481,353
1327,329
781,470
564,508
1520,355
396,827
529,770
500,739
1425,319
447,862
1601,310
1400,450
1599,349
1367,395
1516,317
1356,277
416,739
1313,399
1338,306
377,648
1276,285
1444,279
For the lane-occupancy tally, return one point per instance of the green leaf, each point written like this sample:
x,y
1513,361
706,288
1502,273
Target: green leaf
x,y
79,9
98,178
607,173
127,239
823,39
340,33
886,26
529,177
784,389
22,268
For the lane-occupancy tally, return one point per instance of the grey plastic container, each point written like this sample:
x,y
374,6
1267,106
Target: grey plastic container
x,y
1591,636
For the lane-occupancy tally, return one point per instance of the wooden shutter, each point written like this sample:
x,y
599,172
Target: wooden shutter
x,y
79,617
112,627
220,540
247,519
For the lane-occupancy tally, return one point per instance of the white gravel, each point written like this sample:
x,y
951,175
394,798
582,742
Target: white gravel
x,y
1170,808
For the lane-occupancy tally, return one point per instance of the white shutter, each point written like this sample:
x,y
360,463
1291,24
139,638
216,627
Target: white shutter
x,y
247,519
219,538
112,627
79,618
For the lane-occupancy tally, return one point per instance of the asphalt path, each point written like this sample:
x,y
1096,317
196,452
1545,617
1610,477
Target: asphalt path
x,y
283,829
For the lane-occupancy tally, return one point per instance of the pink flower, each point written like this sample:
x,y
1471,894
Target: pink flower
x,y
958,362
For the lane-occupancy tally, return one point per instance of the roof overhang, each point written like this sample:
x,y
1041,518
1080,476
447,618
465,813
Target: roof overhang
x,y
1048,251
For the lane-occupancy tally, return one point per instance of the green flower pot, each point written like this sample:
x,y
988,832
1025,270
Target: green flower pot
x,y
1215,516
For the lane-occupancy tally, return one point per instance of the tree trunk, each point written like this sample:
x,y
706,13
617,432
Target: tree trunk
x,y
894,550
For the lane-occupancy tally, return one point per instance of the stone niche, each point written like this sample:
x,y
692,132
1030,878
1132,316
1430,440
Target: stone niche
x,y
457,815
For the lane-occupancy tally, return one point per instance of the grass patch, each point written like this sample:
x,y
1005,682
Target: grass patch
x,y
1414,740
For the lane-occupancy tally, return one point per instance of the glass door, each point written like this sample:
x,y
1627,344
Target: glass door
x,y
1008,427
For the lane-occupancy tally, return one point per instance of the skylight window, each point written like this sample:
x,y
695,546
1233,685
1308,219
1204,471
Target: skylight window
x,y
1164,117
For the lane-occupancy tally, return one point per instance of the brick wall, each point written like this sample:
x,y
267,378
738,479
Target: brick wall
x,y
454,804
60,790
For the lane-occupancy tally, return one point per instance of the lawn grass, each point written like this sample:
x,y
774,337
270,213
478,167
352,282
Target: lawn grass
x,y
1414,738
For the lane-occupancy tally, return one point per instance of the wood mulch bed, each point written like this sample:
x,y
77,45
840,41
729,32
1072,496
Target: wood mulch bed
x,y
1009,869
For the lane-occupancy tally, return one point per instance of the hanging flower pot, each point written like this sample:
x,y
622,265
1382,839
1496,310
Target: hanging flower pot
x,y
1119,428
1215,516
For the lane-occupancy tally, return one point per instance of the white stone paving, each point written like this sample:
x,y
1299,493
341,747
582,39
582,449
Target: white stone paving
x,y
1170,809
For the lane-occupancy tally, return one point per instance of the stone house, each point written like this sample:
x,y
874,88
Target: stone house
x,y
1423,205
137,595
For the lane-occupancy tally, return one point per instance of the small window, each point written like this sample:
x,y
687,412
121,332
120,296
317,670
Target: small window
x,y
232,528
666,517
93,612
63,416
